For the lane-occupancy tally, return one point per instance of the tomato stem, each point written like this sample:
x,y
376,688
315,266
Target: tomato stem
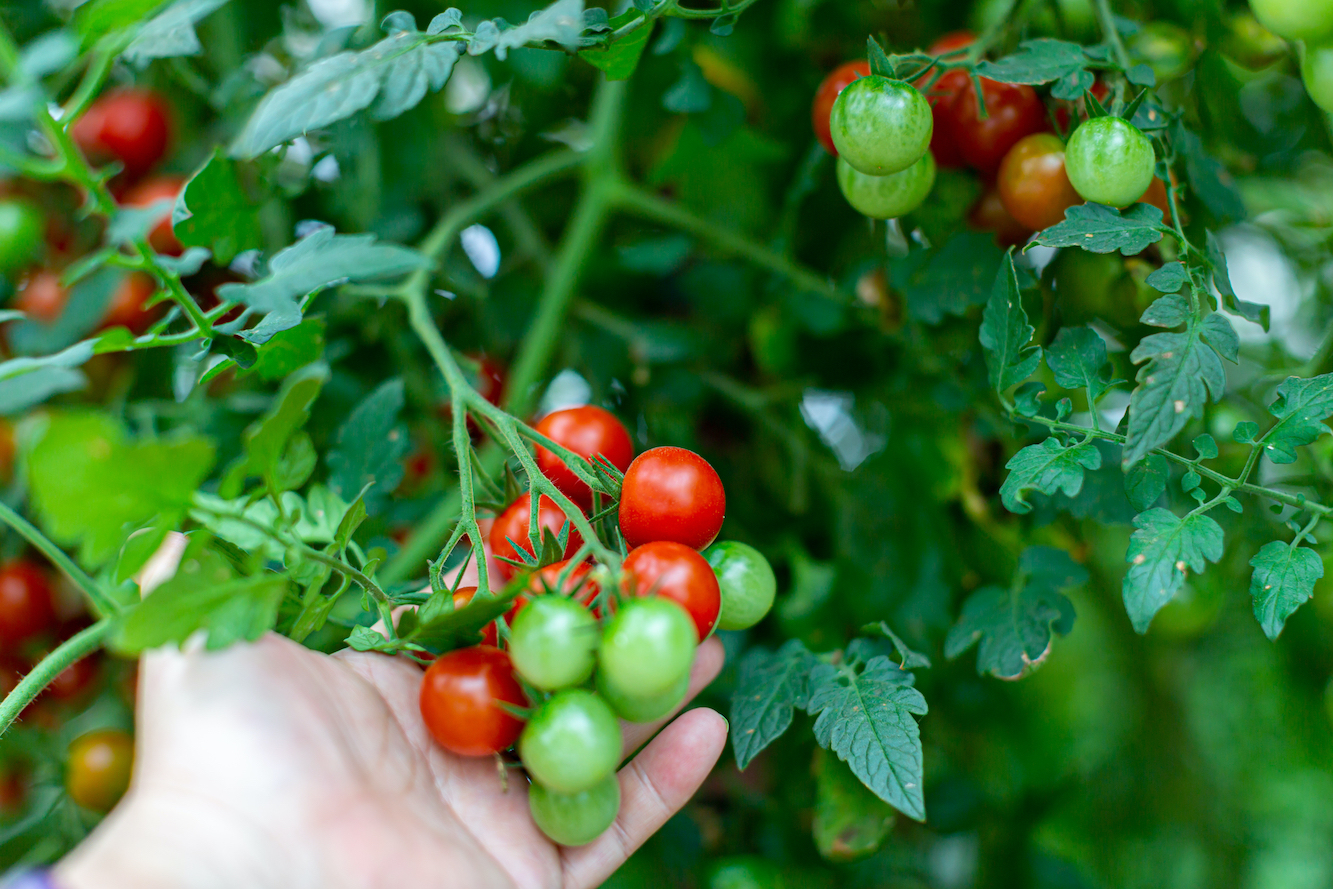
x,y
102,604
30,686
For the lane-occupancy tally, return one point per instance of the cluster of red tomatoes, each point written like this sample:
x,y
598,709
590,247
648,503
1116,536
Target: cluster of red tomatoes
x,y
874,125
130,128
97,770
577,656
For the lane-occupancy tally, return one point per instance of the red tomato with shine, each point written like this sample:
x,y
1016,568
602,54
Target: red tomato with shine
x,y
943,140
132,126
1032,182
162,238
42,297
512,524
1014,110
461,694
671,494
127,304
587,431
836,81
676,572
27,607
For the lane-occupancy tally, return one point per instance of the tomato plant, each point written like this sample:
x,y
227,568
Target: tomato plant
x,y
746,582
880,126
647,648
1109,161
887,197
463,698
1033,184
130,126
676,572
671,494
829,88
1012,112
511,529
572,743
588,431
552,642
26,605
941,95
21,230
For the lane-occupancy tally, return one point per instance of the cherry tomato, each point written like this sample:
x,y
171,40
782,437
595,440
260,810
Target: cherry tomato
x,y
880,126
745,872
1295,19
1013,111
127,304
26,605
891,196
828,91
461,695
552,643
671,494
746,582
646,648
943,140
74,680
574,819
162,238
1165,47
642,708
490,634
989,214
572,743
98,772
42,297
21,235
131,126
1032,182
676,572
587,431
512,524
1109,161
546,580
1156,195
1080,106
1317,72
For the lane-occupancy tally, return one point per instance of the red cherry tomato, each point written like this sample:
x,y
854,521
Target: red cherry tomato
x,y
943,140
127,304
836,81
72,681
989,214
1032,182
1156,195
461,695
512,524
587,431
162,238
676,572
545,581
27,608
490,635
671,494
42,297
131,126
1014,110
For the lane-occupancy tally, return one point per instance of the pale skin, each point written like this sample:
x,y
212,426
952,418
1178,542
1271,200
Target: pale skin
x,y
271,765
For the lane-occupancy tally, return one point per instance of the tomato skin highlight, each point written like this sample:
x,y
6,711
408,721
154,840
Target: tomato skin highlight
x,y
572,743
822,106
1013,111
512,524
22,233
676,572
1109,161
460,697
671,494
130,125
1033,184
27,606
887,197
161,238
99,768
881,126
746,581
587,431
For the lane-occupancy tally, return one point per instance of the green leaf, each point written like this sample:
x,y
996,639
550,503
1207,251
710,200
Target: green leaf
x,y
204,595
21,393
880,64
97,18
1301,407
1047,468
1145,481
1038,61
290,350
1102,229
1169,278
450,629
866,718
907,658
213,211
171,33
771,684
1005,333
1161,553
690,94
1217,262
562,22
1209,179
138,549
1284,578
850,821
947,280
1205,446
618,60
266,441
1016,626
91,485
1077,358
311,264
370,447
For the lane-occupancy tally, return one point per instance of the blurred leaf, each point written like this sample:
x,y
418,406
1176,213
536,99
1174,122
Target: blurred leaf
x,y
1047,467
1284,578
213,211
1038,61
1145,481
1102,229
171,32
83,311
290,350
1169,278
691,94
21,393
1161,552
1077,358
771,684
47,54
370,447
97,18
266,441
1301,407
950,279
1217,261
850,821
619,60
1209,179
562,22
1005,334
74,356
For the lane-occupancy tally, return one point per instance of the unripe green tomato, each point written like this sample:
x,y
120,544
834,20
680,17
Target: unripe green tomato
x,y
553,642
574,819
745,872
1109,161
747,583
880,126
572,743
647,647
1165,47
22,231
887,197
642,708
1317,72
1295,19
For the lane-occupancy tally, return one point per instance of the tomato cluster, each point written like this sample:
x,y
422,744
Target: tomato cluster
x,y
581,647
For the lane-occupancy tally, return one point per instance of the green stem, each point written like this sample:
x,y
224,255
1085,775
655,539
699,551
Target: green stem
x,y
103,605
424,542
72,649
1112,34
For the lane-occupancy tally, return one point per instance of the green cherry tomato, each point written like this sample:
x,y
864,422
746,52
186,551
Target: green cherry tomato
x,y
745,872
880,126
1295,19
573,819
21,233
887,197
747,583
642,708
553,642
572,743
1317,72
1109,161
647,647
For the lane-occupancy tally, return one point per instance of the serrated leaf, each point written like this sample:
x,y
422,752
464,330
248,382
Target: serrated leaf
x,y
1169,278
907,658
850,821
370,447
266,441
770,685
1005,334
316,261
866,718
1301,407
949,279
1101,229
1038,61
170,33
618,60
1047,468
1077,358
1016,626
1161,553
455,627
213,211
1284,578
562,22
1145,481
